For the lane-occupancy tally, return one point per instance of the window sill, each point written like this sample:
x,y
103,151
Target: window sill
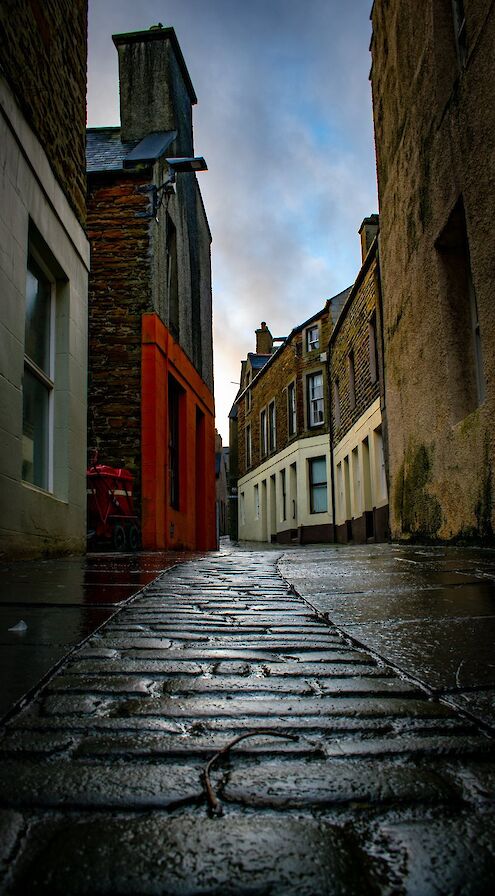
x,y
41,491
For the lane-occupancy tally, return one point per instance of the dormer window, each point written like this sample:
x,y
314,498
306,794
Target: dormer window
x,y
312,339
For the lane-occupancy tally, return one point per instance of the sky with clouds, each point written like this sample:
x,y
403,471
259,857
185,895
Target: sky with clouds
x,y
284,122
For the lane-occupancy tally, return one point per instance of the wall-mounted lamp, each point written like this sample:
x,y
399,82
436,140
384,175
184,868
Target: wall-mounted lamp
x,y
177,165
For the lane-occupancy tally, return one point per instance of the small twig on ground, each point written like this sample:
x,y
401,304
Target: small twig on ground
x,y
213,802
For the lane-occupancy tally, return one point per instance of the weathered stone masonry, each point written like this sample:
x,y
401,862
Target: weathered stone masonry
x,y
353,335
119,214
53,101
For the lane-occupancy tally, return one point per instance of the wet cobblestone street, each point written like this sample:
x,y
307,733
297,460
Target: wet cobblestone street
x,y
347,776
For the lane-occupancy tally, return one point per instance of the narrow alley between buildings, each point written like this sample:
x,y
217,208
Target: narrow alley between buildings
x,y
247,725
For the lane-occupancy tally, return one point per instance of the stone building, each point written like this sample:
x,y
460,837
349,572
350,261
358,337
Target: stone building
x,y
44,261
221,482
432,82
283,436
359,487
150,321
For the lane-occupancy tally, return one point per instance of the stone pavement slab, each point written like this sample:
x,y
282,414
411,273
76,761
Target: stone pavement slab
x,y
59,603
267,754
428,611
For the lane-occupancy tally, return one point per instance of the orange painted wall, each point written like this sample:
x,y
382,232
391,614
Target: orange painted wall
x,y
192,526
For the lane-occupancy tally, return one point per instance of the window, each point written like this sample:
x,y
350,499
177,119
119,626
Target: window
x,y
263,434
248,393
460,30
373,350
175,394
352,380
256,502
312,339
284,494
271,426
315,399
317,484
293,489
461,332
248,446
291,409
336,403
39,372
172,277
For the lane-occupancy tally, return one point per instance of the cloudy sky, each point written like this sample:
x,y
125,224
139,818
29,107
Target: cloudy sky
x,y
284,122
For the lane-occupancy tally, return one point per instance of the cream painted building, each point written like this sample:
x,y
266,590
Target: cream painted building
x,y
359,473
288,492
44,261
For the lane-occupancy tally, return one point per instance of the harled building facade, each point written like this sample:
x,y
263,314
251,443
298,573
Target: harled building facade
x,y
44,262
433,69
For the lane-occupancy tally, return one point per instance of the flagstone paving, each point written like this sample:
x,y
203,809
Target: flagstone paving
x,y
346,777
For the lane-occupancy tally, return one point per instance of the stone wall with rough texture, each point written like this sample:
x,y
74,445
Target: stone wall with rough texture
x,y
353,336
45,64
435,136
119,212
292,363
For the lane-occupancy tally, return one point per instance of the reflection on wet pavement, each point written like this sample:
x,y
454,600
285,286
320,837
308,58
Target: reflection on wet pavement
x,y
61,602
430,611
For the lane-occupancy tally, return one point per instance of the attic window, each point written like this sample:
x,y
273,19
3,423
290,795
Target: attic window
x,y
312,339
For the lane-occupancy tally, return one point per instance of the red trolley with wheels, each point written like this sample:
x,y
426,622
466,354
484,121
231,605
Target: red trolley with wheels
x,y
111,516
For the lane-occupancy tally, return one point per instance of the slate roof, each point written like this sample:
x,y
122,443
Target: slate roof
x,y
257,361
105,150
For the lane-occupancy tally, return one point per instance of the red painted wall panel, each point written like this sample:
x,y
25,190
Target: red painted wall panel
x,y
192,525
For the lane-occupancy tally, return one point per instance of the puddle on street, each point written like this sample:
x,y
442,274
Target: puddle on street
x,y
61,602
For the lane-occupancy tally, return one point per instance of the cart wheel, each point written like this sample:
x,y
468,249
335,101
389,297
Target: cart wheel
x,y
134,537
119,539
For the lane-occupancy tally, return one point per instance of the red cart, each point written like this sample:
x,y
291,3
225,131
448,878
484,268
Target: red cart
x,y
111,516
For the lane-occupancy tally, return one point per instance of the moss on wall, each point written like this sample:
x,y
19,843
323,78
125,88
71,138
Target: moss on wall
x,y
484,506
419,511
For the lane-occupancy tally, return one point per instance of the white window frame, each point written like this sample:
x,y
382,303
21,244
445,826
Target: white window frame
x,y
317,485
263,432
312,341
272,426
291,410
351,369
316,406
46,380
248,446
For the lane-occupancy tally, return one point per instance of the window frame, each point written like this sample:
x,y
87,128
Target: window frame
x,y
312,345
272,426
291,409
248,446
263,433
351,372
336,402
44,378
312,403
317,485
373,348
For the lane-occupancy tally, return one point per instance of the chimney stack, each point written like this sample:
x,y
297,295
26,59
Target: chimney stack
x,y
264,340
156,93
367,232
